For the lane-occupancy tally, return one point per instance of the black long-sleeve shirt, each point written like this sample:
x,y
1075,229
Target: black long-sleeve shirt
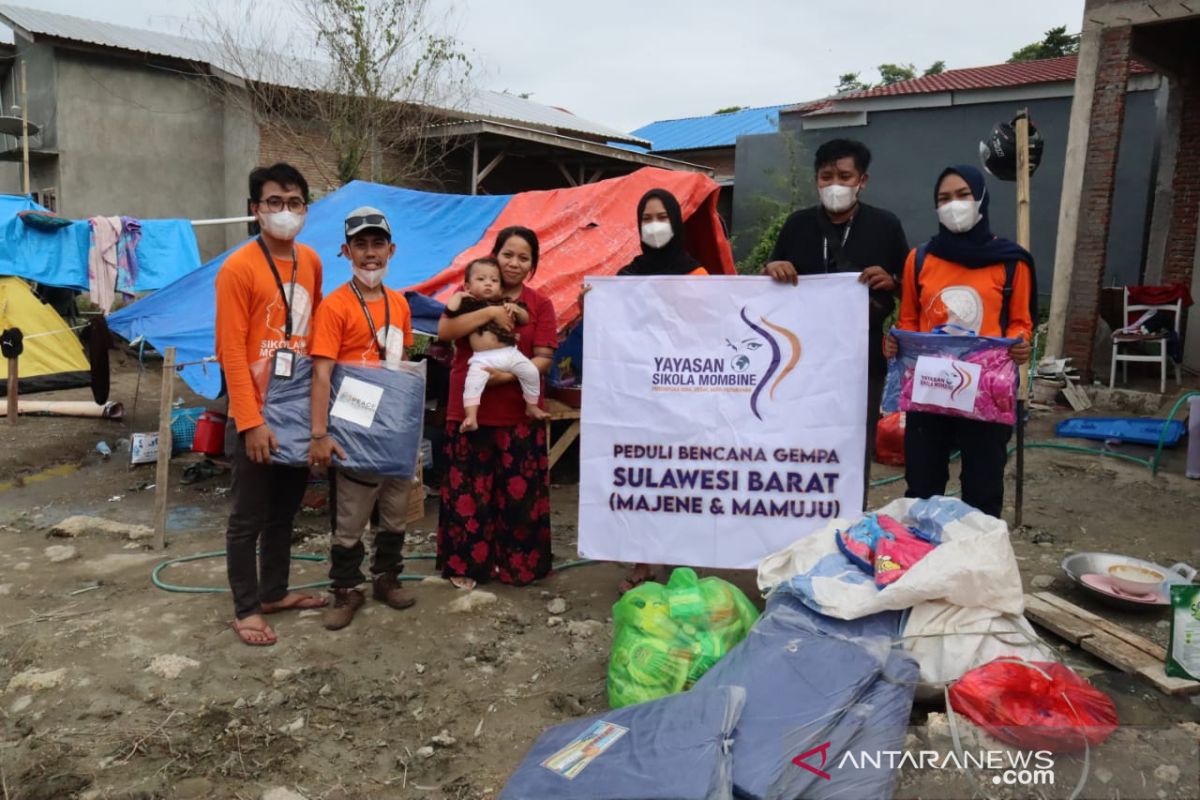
x,y
873,237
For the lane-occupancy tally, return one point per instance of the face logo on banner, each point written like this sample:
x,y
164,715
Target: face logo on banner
x,y
762,357
793,357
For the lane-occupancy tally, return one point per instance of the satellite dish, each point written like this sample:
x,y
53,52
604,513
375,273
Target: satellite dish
x,y
13,126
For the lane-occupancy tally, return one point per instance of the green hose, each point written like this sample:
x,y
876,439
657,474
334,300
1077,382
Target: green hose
x,y
171,587
1162,436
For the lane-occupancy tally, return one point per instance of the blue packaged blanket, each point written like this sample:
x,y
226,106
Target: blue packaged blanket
x,y
377,415
673,748
817,689
287,410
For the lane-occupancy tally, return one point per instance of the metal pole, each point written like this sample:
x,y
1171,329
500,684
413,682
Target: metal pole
x,y
163,474
1023,239
25,124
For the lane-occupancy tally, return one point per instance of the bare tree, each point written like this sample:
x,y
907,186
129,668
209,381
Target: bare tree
x,y
353,85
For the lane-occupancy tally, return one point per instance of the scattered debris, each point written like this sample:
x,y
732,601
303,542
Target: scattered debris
x,y
444,739
58,553
554,622
80,525
282,793
1043,538
1042,581
21,703
295,726
171,667
281,675
585,628
425,752
420,668
557,607
472,601
325,690
36,680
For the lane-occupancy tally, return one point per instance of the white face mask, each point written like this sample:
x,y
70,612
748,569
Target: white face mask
x,y
838,198
283,224
959,216
370,278
656,234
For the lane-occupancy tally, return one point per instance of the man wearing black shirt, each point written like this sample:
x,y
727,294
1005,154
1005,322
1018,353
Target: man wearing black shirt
x,y
842,234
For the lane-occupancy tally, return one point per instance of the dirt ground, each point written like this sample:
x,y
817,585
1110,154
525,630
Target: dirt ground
x,y
116,688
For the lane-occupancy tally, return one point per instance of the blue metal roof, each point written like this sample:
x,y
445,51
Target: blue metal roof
x,y
716,130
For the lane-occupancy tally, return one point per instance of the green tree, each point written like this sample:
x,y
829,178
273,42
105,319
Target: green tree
x,y
1057,43
730,109
936,68
850,83
894,73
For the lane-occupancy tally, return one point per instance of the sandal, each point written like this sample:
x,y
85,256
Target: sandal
x,y
294,601
254,635
463,582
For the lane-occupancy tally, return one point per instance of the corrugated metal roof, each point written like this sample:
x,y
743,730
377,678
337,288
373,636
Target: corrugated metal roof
x,y
716,130
996,76
479,103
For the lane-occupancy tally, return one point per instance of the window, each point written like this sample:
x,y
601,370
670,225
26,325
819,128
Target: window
x,y
48,198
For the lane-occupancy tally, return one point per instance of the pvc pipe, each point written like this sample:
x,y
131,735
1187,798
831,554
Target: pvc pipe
x,y
70,408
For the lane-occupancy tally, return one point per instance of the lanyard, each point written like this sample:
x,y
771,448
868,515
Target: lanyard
x,y
287,303
825,243
387,319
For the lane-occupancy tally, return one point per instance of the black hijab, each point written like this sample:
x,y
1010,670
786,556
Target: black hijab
x,y
673,257
979,247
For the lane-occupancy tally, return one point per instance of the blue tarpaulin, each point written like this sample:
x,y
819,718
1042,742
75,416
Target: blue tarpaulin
x,y
429,231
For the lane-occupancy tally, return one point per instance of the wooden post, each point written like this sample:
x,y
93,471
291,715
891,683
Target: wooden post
x,y
1023,239
25,124
13,389
163,474
475,166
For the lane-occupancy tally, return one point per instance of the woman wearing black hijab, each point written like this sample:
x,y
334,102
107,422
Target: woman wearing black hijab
x,y
964,283
664,252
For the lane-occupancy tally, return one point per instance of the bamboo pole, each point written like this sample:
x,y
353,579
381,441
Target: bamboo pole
x,y
163,474
1023,239
13,388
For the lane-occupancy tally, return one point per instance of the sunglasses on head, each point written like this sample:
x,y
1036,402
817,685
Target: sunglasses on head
x,y
368,219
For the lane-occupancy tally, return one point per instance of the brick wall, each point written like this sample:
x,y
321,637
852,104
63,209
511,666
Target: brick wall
x,y
308,151
1095,202
1180,251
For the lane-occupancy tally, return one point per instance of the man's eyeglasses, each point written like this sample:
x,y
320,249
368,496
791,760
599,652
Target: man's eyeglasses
x,y
276,204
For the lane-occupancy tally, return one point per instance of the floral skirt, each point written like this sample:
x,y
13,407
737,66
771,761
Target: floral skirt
x,y
495,514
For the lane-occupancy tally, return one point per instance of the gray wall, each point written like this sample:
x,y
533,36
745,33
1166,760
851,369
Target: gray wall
x,y
41,83
910,147
139,141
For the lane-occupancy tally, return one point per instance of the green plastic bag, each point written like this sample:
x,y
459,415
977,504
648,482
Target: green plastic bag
x,y
1183,655
666,637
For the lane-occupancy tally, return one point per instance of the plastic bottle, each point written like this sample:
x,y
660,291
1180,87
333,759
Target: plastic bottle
x,y
1193,457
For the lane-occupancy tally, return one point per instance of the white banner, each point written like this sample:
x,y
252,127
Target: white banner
x,y
723,417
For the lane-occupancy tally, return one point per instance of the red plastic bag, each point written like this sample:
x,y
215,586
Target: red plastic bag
x,y
889,439
1035,705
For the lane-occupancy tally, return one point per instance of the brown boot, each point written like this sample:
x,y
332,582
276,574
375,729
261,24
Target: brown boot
x,y
388,590
346,602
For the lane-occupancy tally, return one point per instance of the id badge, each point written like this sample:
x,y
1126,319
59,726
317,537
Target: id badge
x,y
285,361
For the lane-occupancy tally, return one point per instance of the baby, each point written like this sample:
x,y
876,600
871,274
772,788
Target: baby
x,y
493,346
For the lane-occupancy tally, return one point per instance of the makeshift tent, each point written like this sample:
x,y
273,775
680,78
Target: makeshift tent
x,y
588,230
53,357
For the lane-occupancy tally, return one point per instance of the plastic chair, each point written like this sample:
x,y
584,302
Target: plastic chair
x,y
1150,339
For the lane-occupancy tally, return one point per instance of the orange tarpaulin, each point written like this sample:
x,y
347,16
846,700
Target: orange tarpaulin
x,y
593,230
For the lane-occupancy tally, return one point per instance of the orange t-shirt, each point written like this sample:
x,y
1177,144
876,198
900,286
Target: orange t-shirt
x,y
341,332
951,294
251,319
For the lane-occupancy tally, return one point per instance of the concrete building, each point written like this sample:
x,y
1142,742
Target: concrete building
x,y
915,128
148,124
1117,35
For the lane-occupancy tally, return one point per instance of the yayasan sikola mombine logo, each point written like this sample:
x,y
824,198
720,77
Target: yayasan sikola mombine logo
x,y
773,367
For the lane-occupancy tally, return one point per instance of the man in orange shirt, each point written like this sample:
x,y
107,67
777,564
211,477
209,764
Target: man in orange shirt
x,y
361,323
266,293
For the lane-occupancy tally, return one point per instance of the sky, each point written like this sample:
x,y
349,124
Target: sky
x,y
626,63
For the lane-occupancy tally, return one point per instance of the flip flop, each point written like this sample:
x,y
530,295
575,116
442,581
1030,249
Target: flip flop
x,y
244,631
305,601
463,582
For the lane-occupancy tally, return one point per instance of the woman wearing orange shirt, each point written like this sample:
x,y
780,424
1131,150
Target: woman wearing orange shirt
x,y
962,284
